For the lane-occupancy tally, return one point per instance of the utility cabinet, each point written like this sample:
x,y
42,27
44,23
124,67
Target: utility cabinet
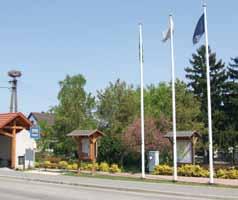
x,y
153,160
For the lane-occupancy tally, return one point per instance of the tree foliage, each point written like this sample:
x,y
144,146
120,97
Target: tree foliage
x,y
75,111
231,106
158,104
154,138
117,106
196,74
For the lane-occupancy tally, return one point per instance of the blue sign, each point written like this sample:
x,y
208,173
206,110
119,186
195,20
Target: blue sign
x,y
35,132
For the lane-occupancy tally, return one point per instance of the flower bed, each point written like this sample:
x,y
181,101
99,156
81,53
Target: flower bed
x,y
103,167
196,171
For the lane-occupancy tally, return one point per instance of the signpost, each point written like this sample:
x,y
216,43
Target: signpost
x,y
35,132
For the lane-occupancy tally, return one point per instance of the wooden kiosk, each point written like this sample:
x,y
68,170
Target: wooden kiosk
x,y
86,143
10,125
186,143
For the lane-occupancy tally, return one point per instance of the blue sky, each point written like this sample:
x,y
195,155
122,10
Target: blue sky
x,y
48,39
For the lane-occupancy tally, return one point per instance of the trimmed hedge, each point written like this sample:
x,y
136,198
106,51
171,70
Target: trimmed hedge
x,y
231,173
195,171
104,167
163,170
115,169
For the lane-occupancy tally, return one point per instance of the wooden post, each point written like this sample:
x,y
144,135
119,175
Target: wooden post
x,y
92,153
13,147
79,144
194,141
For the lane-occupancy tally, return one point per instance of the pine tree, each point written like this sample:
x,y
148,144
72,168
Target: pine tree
x,y
232,88
233,70
231,101
196,74
232,83
231,104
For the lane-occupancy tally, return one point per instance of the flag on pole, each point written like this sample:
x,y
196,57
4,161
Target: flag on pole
x,y
141,50
199,30
167,34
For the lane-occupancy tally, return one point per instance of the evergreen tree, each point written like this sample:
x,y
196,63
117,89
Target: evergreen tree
x,y
232,91
196,74
231,104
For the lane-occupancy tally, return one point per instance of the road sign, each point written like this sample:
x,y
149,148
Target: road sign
x,y
35,132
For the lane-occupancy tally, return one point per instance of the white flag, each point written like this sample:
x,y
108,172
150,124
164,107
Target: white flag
x,y
167,34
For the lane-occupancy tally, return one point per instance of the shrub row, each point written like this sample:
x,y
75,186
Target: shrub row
x,y
104,167
195,171
231,173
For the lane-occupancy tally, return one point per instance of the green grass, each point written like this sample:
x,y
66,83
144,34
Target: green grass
x,y
123,178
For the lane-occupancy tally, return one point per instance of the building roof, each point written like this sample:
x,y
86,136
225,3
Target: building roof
x,y
85,133
41,116
183,134
7,118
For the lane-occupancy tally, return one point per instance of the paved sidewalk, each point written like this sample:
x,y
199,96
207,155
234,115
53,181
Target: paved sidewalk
x,y
206,191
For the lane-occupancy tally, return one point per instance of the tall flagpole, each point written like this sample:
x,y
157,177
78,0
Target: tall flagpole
x,y
211,181
142,104
173,98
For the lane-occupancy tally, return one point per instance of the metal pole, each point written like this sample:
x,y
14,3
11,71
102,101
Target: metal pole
x,y
16,96
142,104
211,181
173,99
12,96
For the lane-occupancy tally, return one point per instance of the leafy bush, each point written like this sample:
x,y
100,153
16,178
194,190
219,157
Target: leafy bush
x,y
53,166
54,159
46,164
96,165
115,169
83,166
37,165
163,170
227,173
104,167
192,171
63,165
69,167
74,166
89,166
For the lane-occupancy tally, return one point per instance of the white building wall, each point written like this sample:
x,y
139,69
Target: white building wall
x,y
23,142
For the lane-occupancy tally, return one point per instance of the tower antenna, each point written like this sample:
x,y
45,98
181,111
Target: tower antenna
x,y
14,74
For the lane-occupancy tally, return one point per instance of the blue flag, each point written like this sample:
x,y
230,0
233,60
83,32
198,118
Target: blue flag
x,y
199,31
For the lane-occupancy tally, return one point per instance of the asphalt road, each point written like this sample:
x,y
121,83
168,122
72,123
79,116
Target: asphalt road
x,y
15,189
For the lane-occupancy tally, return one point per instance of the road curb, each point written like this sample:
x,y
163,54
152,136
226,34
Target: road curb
x,y
118,188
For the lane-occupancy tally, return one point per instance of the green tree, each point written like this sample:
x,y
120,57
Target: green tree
x,y
187,109
232,91
196,74
231,107
47,136
158,100
117,107
75,111
111,149
158,104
